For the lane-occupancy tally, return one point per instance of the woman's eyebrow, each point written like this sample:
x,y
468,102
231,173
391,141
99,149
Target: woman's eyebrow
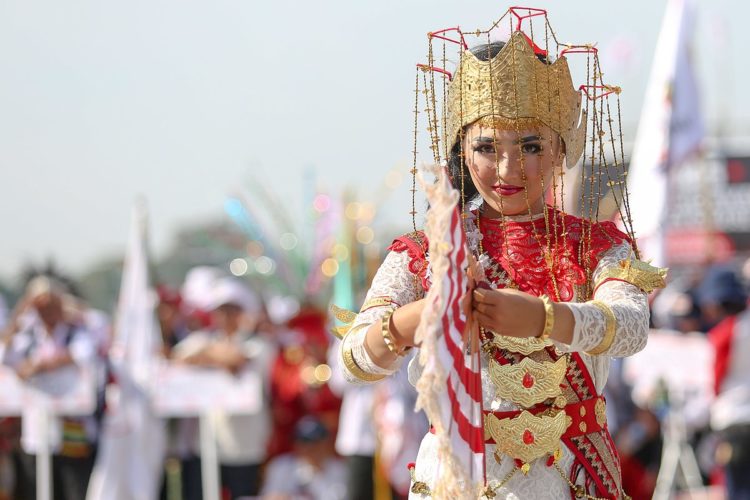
x,y
523,140
528,138
484,140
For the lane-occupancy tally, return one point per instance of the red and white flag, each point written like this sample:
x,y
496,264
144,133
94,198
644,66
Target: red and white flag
x,y
450,388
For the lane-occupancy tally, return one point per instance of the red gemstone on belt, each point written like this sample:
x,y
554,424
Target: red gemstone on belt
x,y
528,380
528,437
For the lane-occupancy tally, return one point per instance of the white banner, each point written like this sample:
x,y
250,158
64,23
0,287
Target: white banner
x,y
68,391
184,391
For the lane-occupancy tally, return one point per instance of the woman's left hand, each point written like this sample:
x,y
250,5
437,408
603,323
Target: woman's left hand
x,y
508,312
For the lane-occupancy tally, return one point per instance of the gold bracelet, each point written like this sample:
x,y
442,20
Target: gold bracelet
x,y
609,328
354,369
390,342
549,318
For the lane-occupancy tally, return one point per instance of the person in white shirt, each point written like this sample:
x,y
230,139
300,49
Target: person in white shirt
x,y
46,346
356,439
234,345
311,471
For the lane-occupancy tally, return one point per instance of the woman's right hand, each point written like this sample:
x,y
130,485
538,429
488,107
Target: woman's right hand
x,y
404,322
403,326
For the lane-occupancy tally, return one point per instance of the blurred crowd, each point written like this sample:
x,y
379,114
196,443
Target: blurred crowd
x,y
679,411
315,437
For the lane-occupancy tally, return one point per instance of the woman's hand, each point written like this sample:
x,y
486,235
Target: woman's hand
x,y
518,314
404,322
508,312
403,326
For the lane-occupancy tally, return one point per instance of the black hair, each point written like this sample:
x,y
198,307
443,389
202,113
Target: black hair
x,y
456,166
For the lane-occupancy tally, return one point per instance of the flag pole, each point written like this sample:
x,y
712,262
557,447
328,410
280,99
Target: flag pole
x,y
44,457
209,458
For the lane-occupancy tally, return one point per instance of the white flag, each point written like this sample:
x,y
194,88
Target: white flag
x,y
130,460
669,131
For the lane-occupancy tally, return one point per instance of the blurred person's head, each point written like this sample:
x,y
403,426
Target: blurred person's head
x,y
311,440
169,309
46,297
227,317
233,306
310,324
685,313
721,295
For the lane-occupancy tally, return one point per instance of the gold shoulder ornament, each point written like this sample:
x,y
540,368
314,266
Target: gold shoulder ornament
x,y
344,316
347,317
636,272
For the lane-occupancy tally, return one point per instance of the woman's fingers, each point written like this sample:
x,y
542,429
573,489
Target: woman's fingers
x,y
482,307
484,296
484,320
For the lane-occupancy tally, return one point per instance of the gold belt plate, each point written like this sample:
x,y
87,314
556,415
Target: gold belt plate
x,y
527,436
529,382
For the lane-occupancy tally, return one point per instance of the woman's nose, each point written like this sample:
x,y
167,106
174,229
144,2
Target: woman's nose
x,y
507,163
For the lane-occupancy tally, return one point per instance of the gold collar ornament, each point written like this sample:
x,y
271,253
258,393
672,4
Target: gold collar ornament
x,y
521,345
516,87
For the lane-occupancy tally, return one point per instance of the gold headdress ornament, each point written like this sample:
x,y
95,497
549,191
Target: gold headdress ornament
x,y
517,85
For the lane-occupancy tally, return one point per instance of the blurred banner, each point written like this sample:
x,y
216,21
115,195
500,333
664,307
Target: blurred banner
x,y
670,129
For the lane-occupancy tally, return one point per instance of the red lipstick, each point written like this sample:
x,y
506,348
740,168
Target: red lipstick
x,y
506,189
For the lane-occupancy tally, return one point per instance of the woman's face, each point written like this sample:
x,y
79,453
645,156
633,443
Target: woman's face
x,y
512,169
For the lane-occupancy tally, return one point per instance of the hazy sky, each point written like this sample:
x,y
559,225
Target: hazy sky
x,y
185,101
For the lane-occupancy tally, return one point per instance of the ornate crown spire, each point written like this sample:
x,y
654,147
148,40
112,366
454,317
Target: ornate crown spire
x,y
516,85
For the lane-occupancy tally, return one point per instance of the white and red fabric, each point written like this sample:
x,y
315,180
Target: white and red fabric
x,y
450,388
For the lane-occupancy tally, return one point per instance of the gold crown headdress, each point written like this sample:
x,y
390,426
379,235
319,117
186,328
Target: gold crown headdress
x,y
517,85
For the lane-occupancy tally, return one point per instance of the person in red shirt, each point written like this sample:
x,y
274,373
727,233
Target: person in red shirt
x,y
724,304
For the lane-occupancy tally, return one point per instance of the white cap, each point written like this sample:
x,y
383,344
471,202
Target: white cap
x,y
232,291
282,308
199,284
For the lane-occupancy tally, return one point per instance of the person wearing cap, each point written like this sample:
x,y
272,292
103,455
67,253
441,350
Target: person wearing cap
x,y
310,471
724,304
300,378
44,341
234,344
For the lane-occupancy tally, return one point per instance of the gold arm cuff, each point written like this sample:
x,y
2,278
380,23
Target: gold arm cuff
x,y
379,301
354,369
390,342
549,318
609,328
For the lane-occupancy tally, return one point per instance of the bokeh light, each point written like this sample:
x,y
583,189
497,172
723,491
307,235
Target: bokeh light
x,y
322,373
365,235
340,252
322,203
367,212
255,249
238,267
288,241
353,210
265,265
329,267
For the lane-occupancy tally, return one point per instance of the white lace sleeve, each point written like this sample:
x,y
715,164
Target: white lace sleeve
x,y
393,286
628,303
